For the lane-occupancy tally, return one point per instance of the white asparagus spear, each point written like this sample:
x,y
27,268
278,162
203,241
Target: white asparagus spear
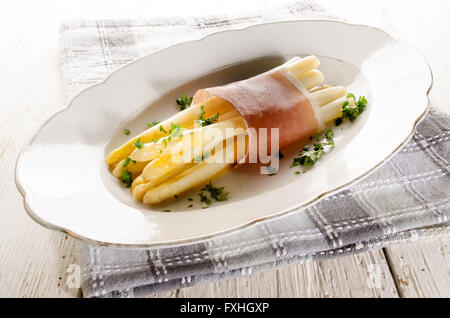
x,y
319,88
328,95
304,65
134,167
231,114
311,78
190,178
142,186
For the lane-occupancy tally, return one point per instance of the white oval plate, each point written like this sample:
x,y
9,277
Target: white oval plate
x,y
65,182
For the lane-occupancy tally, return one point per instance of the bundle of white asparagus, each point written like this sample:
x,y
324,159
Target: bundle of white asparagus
x,y
148,157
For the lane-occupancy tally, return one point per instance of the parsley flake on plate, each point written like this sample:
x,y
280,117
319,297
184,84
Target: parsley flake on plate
x,y
200,158
126,162
161,128
126,178
204,198
217,193
126,131
310,154
153,123
139,144
184,102
202,121
175,131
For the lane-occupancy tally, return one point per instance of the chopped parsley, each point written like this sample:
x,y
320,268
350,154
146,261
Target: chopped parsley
x,y
153,123
310,154
338,121
126,178
161,128
184,102
139,144
200,158
352,112
329,136
190,206
126,131
202,121
204,198
175,131
166,210
217,193
190,199
126,162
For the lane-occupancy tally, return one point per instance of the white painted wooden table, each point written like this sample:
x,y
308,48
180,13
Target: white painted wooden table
x,y
33,260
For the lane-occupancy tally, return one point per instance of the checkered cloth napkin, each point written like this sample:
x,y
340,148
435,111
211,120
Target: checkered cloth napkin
x,y
407,198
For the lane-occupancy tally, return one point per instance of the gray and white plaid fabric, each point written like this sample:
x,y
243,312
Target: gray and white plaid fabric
x,y
407,198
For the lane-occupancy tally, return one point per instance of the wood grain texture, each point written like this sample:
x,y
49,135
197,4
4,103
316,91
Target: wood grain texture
x,y
257,285
34,260
362,275
421,269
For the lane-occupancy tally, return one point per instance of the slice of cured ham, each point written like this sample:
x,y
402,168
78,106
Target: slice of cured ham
x,y
269,100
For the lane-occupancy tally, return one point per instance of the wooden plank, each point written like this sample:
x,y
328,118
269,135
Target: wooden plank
x,y
257,285
421,268
364,275
225,288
